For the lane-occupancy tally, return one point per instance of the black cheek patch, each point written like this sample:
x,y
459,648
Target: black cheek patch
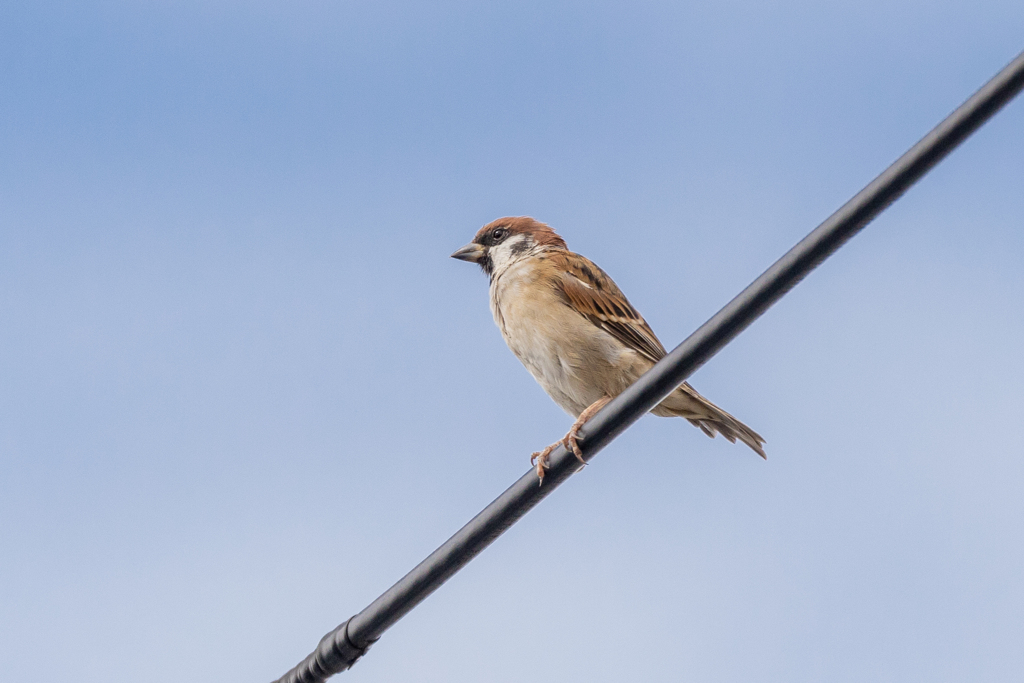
x,y
520,247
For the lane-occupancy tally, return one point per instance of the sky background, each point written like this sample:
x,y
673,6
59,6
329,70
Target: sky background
x,y
243,389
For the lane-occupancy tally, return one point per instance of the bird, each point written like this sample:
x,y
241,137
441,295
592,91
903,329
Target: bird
x,y
572,327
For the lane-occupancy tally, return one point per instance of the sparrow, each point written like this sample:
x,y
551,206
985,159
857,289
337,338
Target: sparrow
x,y
576,332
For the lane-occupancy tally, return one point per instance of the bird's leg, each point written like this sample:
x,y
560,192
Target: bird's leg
x,y
570,439
540,458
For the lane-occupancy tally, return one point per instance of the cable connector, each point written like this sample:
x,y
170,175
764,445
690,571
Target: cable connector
x,y
335,653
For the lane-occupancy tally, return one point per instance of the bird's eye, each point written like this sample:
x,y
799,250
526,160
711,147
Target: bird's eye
x,y
499,234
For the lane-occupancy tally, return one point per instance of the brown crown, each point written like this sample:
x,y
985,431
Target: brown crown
x,y
541,232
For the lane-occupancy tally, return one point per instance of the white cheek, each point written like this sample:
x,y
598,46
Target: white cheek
x,y
499,256
502,254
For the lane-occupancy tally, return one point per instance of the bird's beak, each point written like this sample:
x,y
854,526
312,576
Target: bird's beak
x,y
472,252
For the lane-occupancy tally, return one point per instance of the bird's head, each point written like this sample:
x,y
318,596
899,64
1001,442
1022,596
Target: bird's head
x,y
499,244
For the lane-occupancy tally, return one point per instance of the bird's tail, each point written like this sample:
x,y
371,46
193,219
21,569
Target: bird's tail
x,y
702,413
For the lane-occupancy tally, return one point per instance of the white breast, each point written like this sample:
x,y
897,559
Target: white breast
x,y
574,361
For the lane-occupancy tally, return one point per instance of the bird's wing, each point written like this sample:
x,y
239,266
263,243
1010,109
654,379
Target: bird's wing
x,y
590,292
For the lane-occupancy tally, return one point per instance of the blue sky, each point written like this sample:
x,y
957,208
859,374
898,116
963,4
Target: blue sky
x,y
244,389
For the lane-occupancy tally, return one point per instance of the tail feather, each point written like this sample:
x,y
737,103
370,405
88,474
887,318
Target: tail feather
x,y
700,425
687,403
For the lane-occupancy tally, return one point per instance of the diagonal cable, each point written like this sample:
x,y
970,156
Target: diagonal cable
x,y
340,648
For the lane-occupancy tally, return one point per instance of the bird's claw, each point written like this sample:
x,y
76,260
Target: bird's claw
x,y
570,442
540,460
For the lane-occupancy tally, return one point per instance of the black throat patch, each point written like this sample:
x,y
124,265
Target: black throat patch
x,y
487,265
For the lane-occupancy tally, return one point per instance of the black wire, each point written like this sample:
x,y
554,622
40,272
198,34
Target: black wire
x,y
340,648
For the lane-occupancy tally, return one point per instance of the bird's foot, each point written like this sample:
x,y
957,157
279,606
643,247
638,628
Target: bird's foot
x,y
540,460
571,438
